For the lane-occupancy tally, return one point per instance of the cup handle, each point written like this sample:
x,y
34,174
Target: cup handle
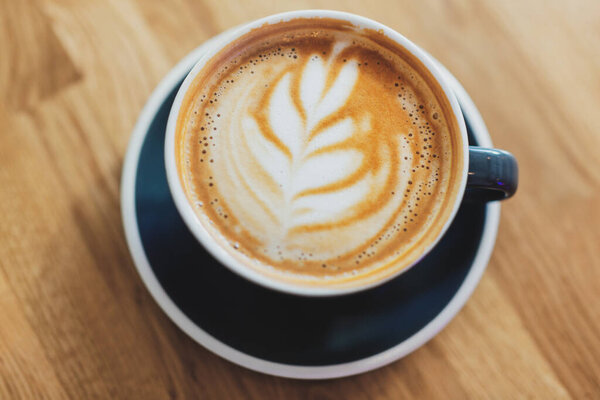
x,y
493,174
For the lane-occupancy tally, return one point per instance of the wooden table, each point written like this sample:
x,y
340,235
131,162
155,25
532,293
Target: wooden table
x,y
77,322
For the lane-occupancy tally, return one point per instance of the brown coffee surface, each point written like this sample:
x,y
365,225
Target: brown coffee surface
x,y
318,153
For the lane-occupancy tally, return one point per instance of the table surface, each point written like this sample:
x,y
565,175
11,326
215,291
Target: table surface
x,y
77,322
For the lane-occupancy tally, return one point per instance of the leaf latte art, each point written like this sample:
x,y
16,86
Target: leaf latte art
x,y
319,156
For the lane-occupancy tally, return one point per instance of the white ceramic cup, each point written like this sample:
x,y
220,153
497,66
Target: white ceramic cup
x,y
189,215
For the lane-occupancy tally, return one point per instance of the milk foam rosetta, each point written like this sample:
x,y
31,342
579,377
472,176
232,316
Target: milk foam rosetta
x,y
318,153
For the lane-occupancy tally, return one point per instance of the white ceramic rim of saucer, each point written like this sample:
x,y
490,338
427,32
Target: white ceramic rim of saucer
x,y
486,245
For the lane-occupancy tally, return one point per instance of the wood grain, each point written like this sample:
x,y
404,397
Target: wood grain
x,y
75,319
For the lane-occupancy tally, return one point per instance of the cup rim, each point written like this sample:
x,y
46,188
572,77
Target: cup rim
x,y
190,217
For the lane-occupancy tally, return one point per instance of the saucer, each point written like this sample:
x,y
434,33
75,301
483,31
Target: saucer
x,y
276,333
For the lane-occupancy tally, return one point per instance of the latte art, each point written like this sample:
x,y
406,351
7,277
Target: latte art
x,y
321,155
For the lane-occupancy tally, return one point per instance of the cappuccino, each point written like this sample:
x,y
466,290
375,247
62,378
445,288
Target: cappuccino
x,y
318,153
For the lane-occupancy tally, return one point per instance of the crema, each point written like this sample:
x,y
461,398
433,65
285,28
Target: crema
x,y
319,153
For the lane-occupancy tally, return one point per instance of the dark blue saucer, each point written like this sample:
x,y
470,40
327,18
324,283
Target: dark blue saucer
x,y
282,328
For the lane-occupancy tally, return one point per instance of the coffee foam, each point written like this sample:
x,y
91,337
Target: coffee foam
x,y
318,153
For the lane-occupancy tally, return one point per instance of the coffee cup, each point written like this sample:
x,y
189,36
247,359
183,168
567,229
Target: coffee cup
x,y
321,153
